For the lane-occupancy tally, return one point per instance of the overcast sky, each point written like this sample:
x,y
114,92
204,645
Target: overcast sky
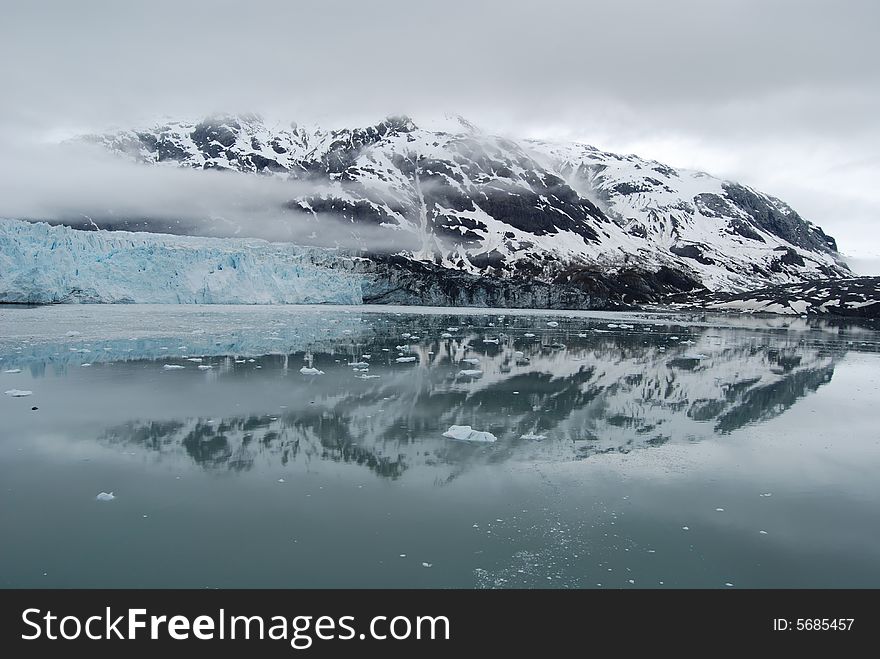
x,y
783,95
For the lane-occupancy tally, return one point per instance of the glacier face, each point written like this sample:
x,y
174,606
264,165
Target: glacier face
x,y
42,264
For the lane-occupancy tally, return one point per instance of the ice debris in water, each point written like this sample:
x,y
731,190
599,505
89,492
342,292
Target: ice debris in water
x,y
368,377
532,436
172,367
427,565
468,434
71,333
403,360
470,373
306,370
18,393
528,335
552,323
12,370
194,359
471,360
446,335
359,364
205,367
105,496
86,365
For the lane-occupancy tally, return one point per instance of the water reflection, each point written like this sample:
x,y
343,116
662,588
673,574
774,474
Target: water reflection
x,y
547,393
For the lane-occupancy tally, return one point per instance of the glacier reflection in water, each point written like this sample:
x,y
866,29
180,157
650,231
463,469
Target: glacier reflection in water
x,y
554,389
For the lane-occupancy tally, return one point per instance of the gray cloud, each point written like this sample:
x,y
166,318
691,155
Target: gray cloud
x,y
781,94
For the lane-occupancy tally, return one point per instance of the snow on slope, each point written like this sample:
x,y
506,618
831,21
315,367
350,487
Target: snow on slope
x,y
44,264
490,205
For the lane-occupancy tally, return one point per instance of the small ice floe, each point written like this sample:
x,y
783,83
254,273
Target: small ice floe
x,y
359,364
197,360
762,532
281,480
72,333
685,528
625,326
205,367
612,325
528,335
446,335
495,341
86,365
367,377
728,584
240,361
468,434
452,329
470,373
532,436
12,370
404,360
172,367
365,356
719,510
18,393
307,370
105,496
386,349
518,353
471,360
427,564
251,361
582,335
552,323
402,348
694,355
767,494
673,338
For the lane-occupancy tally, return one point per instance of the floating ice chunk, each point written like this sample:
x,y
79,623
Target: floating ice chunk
x,y
452,329
468,434
552,323
194,359
403,360
695,355
402,348
490,341
471,360
205,367
625,326
685,528
72,333
528,335
728,584
470,373
105,496
531,436
767,494
365,356
240,361
427,564
172,367
518,353
368,377
762,532
306,370
446,335
18,393
406,335
86,365
359,365
612,325
582,335
12,370
281,480
719,510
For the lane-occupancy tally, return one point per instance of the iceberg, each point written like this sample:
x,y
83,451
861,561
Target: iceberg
x,y
468,434
44,264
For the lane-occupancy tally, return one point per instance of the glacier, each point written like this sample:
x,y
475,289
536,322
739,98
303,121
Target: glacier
x,y
44,264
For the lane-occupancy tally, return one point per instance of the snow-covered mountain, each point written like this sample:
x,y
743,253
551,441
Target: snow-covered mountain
x,y
452,197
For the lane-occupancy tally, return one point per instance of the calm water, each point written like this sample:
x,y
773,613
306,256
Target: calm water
x,y
633,450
